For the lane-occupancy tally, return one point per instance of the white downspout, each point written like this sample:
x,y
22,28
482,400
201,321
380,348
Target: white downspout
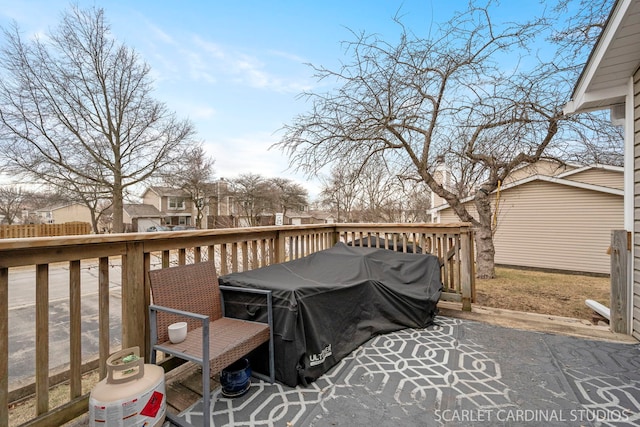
x,y
629,172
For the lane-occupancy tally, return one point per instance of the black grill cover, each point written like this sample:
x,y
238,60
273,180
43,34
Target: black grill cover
x,y
330,302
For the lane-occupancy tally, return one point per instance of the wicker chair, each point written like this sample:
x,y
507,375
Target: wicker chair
x,y
191,293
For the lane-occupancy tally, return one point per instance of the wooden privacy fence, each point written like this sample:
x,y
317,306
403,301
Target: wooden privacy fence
x,y
69,271
44,230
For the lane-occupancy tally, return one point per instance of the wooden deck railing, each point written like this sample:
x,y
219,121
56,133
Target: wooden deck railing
x,y
91,260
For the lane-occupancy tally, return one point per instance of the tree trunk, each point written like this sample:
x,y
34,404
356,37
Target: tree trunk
x,y
118,223
485,258
94,220
485,267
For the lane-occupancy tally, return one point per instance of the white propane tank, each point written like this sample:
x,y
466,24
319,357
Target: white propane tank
x,y
132,394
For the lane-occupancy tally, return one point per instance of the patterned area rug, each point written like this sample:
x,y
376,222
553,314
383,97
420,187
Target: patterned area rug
x,y
456,372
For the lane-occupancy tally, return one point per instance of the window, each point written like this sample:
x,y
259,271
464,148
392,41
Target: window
x,y
176,203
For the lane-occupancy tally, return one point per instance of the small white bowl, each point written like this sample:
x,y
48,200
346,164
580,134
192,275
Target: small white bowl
x,y
177,332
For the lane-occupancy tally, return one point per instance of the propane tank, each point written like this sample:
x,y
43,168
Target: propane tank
x,y
132,394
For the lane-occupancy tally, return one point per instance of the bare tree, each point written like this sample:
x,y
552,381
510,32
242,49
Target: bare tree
x,y
582,24
258,196
12,199
448,97
375,193
339,192
77,107
288,195
71,188
417,201
252,193
379,197
194,175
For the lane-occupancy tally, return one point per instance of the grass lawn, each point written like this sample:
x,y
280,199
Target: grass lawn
x,y
542,292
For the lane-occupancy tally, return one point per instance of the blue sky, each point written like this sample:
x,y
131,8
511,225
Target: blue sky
x,y
235,67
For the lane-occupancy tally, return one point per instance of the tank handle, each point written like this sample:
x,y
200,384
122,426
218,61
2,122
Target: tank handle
x,y
120,370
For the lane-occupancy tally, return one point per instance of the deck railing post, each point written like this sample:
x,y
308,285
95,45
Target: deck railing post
x,y
280,247
335,236
134,311
466,272
4,349
620,250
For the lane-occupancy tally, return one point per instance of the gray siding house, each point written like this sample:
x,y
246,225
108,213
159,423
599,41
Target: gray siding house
x,y
558,222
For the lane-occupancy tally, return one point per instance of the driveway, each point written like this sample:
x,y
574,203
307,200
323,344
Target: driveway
x,y
22,317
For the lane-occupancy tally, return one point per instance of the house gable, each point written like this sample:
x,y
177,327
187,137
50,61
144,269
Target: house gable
x,y
604,176
542,167
71,212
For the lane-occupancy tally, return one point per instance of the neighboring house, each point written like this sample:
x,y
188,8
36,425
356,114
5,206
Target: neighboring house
x,y
177,208
610,80
560,222
322,217
220,209
175,205
221,201
72,212
139,217
298,218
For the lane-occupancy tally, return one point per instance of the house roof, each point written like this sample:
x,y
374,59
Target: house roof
x,y
56,207
296,214
559,179
594,166
141,211
166,191
615,57
321,214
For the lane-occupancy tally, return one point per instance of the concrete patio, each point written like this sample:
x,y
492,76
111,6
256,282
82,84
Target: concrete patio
x,y
459,372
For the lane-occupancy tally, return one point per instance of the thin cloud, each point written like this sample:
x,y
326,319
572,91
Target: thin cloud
x,y
202,112
159,34
288,56
247,153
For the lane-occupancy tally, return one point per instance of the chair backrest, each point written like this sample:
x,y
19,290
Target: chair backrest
x,y
191,287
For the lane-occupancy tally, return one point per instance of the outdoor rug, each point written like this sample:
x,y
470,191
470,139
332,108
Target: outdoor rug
x,y
454,373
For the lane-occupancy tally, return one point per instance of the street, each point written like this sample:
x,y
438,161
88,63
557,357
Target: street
x,y
22,316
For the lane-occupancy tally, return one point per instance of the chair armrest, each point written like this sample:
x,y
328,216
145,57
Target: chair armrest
x,y
153,307
153,326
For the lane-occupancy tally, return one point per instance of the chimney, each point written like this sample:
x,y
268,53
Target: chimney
x,y
442,176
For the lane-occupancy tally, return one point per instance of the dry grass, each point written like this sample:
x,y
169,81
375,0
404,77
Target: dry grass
x,y
542,292
24,411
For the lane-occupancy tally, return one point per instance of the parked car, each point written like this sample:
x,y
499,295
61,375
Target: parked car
x,y
183,227
158,228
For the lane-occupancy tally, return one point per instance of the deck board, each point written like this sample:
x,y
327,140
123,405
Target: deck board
x,y
184,387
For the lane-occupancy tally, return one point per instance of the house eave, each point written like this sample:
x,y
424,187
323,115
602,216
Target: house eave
x,y
602,83
596,100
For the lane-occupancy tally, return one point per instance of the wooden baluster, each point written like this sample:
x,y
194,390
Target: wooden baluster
x,y
42,338
75,330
